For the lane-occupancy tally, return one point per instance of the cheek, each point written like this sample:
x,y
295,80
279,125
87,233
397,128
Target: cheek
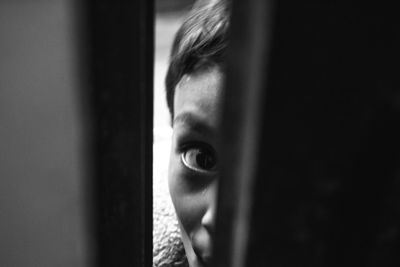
x,y
187,198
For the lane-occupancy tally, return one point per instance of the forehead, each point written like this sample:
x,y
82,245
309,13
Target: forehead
x,y
200,94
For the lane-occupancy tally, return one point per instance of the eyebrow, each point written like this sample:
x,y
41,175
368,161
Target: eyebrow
x,y
194,123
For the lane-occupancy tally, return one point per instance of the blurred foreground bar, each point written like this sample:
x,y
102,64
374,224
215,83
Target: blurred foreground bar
x,y
120,41
42,167
311,144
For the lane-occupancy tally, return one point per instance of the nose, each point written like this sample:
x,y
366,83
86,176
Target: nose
x,y
208,219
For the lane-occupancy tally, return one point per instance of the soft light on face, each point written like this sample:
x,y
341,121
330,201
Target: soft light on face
x,y
193,169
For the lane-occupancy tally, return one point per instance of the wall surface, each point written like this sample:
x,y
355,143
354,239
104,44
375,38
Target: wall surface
x,y
41,170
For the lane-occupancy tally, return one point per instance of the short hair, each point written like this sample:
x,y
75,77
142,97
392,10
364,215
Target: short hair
x,y
200,43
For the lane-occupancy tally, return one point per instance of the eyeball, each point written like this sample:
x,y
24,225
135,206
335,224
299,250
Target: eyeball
x,y
199,159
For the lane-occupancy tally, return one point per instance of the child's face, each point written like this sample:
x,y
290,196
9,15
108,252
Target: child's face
x,y
193,169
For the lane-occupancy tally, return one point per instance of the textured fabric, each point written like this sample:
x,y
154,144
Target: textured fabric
x,y
167,245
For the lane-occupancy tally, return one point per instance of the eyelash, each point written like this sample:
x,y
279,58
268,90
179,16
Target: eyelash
x,y
200,147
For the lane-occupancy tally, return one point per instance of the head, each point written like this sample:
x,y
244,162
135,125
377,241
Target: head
x,y
194,86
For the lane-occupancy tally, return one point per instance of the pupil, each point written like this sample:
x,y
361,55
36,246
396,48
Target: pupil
x,y
204,160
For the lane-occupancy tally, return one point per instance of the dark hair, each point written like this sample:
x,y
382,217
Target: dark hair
x,y
200,43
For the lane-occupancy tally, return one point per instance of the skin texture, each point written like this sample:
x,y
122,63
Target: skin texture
x,y
193,169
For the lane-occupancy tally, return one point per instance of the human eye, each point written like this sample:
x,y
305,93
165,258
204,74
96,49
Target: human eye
x,y
200,159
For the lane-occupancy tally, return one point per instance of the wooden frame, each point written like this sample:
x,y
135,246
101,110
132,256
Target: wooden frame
x,y
120,38
311,154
